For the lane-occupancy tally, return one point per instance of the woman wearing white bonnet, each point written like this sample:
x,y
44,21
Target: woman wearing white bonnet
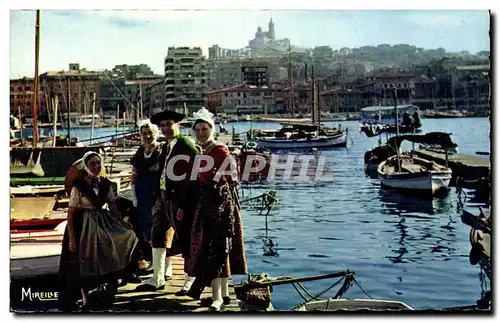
x,y
205,115
97,247
217,249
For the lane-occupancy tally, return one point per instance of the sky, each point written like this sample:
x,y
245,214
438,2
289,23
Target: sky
x,y
102,39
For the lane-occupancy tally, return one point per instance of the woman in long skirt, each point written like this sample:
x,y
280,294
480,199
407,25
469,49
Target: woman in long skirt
x,y
145,183
97,247
217,248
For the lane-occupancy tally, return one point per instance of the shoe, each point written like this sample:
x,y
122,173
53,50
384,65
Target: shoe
x,y
208,301
168,278
81,306
181,293
134,279
216,309
205,302
149,288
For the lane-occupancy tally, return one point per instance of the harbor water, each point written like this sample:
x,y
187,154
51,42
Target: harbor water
x,y
401,248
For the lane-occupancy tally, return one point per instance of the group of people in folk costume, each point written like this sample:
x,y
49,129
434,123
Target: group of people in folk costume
x,y
197,217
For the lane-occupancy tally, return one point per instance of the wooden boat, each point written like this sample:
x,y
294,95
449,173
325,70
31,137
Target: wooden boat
x,y
304,136
354,305
433,141
38,190
414,174
378,154
372,130
36,253
254,294
443,114
480,238
35,237
376,120
31,208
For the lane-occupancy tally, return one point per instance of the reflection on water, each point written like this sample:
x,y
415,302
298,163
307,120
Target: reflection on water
x,y
261,204
395,202
421,233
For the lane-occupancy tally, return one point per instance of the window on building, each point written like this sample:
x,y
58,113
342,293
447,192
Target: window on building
x,y
239,102
239,94
225,93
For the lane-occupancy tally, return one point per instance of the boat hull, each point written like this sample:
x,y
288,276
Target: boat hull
x,y
425,182
339,140
34,260
355,305
36,253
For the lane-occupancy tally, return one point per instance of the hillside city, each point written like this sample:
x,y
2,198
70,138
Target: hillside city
x,y
269,76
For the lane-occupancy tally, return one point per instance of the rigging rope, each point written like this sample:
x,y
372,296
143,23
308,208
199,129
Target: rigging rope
x,y
355,281
321,293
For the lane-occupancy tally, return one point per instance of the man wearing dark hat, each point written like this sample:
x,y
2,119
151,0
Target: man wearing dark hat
x,y
174,210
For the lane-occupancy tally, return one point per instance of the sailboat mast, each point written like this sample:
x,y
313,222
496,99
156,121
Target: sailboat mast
x,y
290,79
397,127
317,101
93,119
68,100
35,102
141,114
54,131
313,94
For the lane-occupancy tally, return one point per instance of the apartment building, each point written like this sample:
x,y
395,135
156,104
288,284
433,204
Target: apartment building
x,y
185,78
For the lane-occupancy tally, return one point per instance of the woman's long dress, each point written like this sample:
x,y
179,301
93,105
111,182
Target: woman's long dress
x,y
217,247
104,247
147,180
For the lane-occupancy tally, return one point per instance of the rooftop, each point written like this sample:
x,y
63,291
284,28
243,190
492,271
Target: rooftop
x,y
141,81
237,87
69,73
474,67
340,91
385,108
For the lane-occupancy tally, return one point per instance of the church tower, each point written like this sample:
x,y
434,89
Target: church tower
x,y
271,28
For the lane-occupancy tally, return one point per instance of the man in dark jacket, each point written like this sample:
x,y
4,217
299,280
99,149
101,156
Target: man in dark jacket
x,y
174,210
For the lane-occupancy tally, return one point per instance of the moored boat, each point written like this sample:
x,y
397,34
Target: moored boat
x,y
376,120
304,136
432,141
36,252
414,174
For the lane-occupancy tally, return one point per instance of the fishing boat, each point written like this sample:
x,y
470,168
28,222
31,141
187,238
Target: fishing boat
x,y
432,141
303,136
320,141
443,114
306,135
376,120
411,173
355,305
254,294
414,174
480,238
36,252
